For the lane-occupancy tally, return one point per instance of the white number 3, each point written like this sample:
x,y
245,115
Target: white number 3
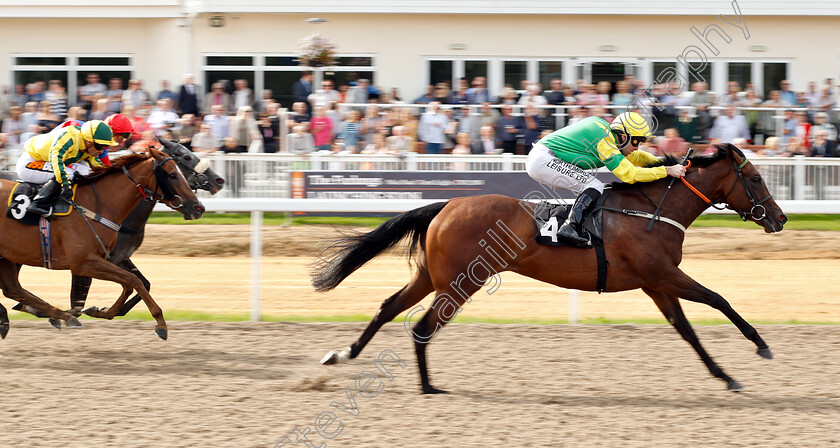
x,y
549,229
19,210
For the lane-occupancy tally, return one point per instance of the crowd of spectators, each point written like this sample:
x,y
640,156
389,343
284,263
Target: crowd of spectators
x,y
464,119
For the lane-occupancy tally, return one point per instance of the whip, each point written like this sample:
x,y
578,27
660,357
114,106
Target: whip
x,y
656,213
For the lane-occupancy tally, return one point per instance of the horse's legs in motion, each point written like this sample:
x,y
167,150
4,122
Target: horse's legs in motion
x,y
13,290
130,267
670,307
419,287
96,267
4,322
681,285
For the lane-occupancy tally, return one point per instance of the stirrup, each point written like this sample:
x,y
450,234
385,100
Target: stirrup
x,y
45,213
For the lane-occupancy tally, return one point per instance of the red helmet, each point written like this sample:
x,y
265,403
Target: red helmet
x,y
120,124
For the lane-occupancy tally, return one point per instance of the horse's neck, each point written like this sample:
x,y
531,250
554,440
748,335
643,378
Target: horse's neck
x,y
121,195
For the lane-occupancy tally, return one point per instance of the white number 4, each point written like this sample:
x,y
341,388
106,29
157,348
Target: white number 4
x,y
549,229
19,210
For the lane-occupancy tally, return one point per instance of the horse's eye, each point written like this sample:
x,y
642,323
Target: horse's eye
x,y
173,175
187,158
756,179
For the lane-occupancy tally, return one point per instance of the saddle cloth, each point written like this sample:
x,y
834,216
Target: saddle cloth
x,y
549,217
20,198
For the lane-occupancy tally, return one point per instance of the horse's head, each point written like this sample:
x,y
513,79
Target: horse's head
x,y
176,192
748,195
197,171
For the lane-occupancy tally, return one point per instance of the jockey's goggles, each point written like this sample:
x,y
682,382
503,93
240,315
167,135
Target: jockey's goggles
x,y
125,135
100,147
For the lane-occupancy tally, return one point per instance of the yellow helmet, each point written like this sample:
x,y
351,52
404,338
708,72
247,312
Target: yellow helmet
x,y
98,132
631,124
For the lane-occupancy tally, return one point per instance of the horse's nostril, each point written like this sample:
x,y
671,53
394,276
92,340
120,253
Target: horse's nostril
x,y
783,219
199,208
220,181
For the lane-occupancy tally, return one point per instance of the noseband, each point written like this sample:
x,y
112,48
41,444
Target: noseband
x,y
756,213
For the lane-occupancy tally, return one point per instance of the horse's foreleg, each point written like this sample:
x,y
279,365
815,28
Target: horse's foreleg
x,y
79,288
670,307
96,267
130,267
687,288
418,288
4,322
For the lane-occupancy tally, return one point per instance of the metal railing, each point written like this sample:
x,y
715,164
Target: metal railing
x,y
268,175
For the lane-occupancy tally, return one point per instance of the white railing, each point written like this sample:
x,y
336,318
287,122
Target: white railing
x,y
267,175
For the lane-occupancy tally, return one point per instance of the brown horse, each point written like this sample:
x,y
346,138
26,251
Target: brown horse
x,y
463,243
81,245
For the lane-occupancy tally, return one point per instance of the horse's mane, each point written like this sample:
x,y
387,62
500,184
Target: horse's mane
x,y
127,161
721,153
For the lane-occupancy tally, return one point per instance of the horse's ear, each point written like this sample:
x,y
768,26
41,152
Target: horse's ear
x,y
732,150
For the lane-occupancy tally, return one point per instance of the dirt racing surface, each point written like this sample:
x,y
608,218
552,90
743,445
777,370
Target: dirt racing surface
x,y
242,385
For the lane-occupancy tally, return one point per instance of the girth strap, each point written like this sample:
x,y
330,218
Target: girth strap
x,y
603,265
46,244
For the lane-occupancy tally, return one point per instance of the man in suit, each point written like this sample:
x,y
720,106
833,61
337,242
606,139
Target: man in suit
x,y
217,97
188,96
302,88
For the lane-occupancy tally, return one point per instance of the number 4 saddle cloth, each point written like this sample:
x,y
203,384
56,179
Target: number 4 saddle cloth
x,y
20,198
549,217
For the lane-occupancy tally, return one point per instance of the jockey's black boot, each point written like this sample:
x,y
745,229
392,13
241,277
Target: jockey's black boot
x,y
571,231
42,203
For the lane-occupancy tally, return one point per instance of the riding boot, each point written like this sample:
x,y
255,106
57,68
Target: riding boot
x,y
571,231
42,203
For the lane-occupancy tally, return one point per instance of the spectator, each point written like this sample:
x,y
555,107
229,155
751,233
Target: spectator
x,y
46,120
822,146
322,129
163,119
812,96
589,97
359,94
532,96
750,100
603,90
190,125
767,118
134,95
244,128
188,99
166,94
299,141
672,143
302,88
432,128
13,126
577,114
802,129
77,114
35,92
789,128
532,124
622,97
205,143
270,128
395,96
100,108
478,93
242,95
325,94
267,98
427,97
376,146
487,140
399,142
487,116
730,126
785,94
463,146
555,96
701,102
114,96
29,117
350,131
57,96
299,115
442,94
508,95
468,123
731,96
821,123
217,97
826,101
508,129
18,98
87,91
371,124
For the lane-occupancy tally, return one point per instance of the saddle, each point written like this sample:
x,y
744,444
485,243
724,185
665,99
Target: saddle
x,y
20,198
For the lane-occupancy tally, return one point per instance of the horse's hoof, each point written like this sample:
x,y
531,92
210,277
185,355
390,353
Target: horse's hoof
x,y
734,386
765,353
433,390
73,323
162,333
4,330
90,310
18,307
55,323
330,358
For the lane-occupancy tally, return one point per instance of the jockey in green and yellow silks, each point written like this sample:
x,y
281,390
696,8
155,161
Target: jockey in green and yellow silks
x,y
56,157
567,159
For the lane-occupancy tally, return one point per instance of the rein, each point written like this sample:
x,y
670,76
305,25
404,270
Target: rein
x,y
756,205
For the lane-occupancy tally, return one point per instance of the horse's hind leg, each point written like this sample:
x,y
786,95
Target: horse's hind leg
x,y
13,290
130,267
670,307
419,287
4,322
681,285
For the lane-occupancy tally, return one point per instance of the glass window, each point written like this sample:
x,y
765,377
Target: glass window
x,y
280,84
473,69
39,60
103,60
440,71
25,77
230,60
515,73
705,74
211,77
611,72
663,70
774,73
548,71
281,61
740,72
356,61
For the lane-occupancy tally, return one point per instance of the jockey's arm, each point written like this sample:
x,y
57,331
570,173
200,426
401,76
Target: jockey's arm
x,y
57,152
626,170
642,158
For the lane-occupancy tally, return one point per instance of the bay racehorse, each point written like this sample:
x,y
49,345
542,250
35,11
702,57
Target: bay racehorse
x,y
461,243
112,193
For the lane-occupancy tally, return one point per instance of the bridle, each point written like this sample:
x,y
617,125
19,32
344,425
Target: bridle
x,y
167,193
757,213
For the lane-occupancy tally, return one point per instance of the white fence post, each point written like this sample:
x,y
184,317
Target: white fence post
x,y
256,254
799,177
573,306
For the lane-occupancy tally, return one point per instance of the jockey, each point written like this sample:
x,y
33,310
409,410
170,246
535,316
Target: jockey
x,y
55,157
567,159
122,128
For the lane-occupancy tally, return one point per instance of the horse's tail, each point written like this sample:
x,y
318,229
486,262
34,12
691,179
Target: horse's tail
x,y
350,253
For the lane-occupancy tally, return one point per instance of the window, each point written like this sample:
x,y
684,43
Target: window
x,y
71,70
774,73
740,72
440,71
515,73
549,71
473,69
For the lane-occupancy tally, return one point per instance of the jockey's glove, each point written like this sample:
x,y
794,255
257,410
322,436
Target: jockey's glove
x,y
67,192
